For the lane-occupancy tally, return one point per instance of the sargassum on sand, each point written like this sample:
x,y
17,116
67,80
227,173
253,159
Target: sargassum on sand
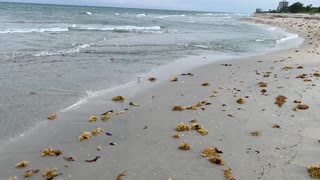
x,y
184,146
314,171
97,131
210,151
93,118
50,173
30,172
22,164
118,98
228,174
51,152
280,100
217,160
85,135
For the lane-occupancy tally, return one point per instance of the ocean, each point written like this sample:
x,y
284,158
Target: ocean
x,y
54,58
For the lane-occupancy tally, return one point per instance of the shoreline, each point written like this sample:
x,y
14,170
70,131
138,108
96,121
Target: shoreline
x,y
156,154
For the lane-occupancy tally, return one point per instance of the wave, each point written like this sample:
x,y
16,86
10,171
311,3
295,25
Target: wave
x,y
31,30
289,37
63,51
169,16
114,28
80,28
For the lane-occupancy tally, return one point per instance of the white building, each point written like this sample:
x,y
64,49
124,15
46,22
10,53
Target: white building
x,y
282,5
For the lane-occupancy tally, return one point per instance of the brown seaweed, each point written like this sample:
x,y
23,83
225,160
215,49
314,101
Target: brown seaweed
x,y
93,160
205,84
30,172
178,108
228,174
97,131
184,146
211,151
280,100
174,79
183,127
52,116
314,171
241,101
51,152
68,158
93,118
121,175
263,84
302,107
276,126
217,160
118,98
85,135
51,173
256,133
22,164
152,79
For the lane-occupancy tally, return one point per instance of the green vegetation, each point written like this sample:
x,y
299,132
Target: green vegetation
x,y
298,7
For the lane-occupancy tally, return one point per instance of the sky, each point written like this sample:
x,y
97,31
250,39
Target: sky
x,y
238,6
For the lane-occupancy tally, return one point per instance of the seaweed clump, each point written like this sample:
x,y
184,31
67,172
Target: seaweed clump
x,y
118,98
174,79
52,116
50,173
183,127
51,152
93,119
29,173
241,101
228,174
13,178
256,133
177,136
178,108
314,171
210,151
97,131
184,146
205,84
106,116
301,107
280,100
22,164
263,84
85,135
152,79
217,160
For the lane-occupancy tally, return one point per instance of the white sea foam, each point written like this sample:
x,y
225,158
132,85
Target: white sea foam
x,y
289,37
169,16
259,40
89,13
62,51
201,46
115,28
141,15
31,30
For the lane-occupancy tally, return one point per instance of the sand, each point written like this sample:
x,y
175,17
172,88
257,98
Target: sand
x,y
143,146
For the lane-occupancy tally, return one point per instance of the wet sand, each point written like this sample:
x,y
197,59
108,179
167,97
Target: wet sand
x,y
141,142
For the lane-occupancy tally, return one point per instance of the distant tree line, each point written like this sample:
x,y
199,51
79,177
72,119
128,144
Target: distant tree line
x,y
300,8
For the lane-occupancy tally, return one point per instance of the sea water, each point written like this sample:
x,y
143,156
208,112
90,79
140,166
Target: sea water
x,y
53,57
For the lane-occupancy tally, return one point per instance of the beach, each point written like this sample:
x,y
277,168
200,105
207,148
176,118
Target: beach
x,y
258,138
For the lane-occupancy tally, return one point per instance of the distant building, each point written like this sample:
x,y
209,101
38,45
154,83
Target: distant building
x,y
282,5
258,10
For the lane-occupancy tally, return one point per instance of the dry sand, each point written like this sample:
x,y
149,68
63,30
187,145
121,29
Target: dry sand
x,y
144,146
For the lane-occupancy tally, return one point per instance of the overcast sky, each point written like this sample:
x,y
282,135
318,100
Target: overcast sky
x,y
241,6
